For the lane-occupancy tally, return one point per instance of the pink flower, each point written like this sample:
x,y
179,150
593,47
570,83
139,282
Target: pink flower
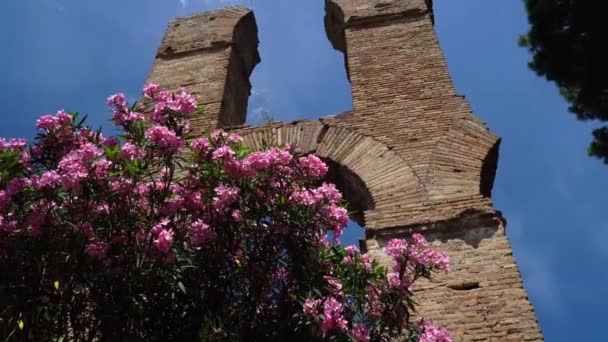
x,y
237,168
262,160
222,153
328,192
235,138
25,159
310,307
200,233
419,240
131,151
433,259
432,333
49,122
351,250
123,117
165,139
303,197
117,100
101,167
335,285
367,262
17,144
183,103
164,241
332,316
396,247
393,280
360,333
110,142
15,185
63,118
237,216
225,195
150,89
73,166
313,166
397,282
46,122
201,145
97,250
179,104
338,219
218,134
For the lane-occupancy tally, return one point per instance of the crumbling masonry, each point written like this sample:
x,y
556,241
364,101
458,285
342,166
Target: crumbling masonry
x,y
409,157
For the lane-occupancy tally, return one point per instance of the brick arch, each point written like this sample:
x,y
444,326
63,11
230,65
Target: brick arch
x,y
390,182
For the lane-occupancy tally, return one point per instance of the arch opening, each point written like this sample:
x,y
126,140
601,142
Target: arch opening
x,y
353,189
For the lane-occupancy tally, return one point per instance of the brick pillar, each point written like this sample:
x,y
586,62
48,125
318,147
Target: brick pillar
x,y
404,98
211,54
392,53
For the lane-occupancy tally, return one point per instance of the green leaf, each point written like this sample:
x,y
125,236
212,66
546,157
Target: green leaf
x,y
182,287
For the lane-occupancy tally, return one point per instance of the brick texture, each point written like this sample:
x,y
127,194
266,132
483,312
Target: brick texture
x,y
410,156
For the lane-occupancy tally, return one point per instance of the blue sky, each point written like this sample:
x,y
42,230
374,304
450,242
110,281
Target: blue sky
x,y
72,54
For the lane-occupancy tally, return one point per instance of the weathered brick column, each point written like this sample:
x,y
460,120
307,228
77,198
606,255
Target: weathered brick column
x,y
211,54
403,96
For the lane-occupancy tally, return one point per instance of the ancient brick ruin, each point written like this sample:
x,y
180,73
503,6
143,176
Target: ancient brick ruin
x,y
409,157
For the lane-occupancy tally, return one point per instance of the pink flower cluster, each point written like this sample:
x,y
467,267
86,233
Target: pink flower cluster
x,y
262,160
12,144
97,250
360,333
131,151
200,233
73,168
311,307
122,114
158,207
326,193
432,333
332,316
417,252
313,166
164,139
164,240
50,122
225,195
166,103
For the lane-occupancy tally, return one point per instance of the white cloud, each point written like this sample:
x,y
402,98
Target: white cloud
x,y
184,3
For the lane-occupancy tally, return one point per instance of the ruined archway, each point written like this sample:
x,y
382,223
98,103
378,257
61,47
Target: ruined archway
x,y
410,157
376,179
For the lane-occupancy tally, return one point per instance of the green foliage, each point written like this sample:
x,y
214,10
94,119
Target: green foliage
x,y
567,39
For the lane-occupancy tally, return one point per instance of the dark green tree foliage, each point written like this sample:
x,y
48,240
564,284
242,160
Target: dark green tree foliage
x,y
568,41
